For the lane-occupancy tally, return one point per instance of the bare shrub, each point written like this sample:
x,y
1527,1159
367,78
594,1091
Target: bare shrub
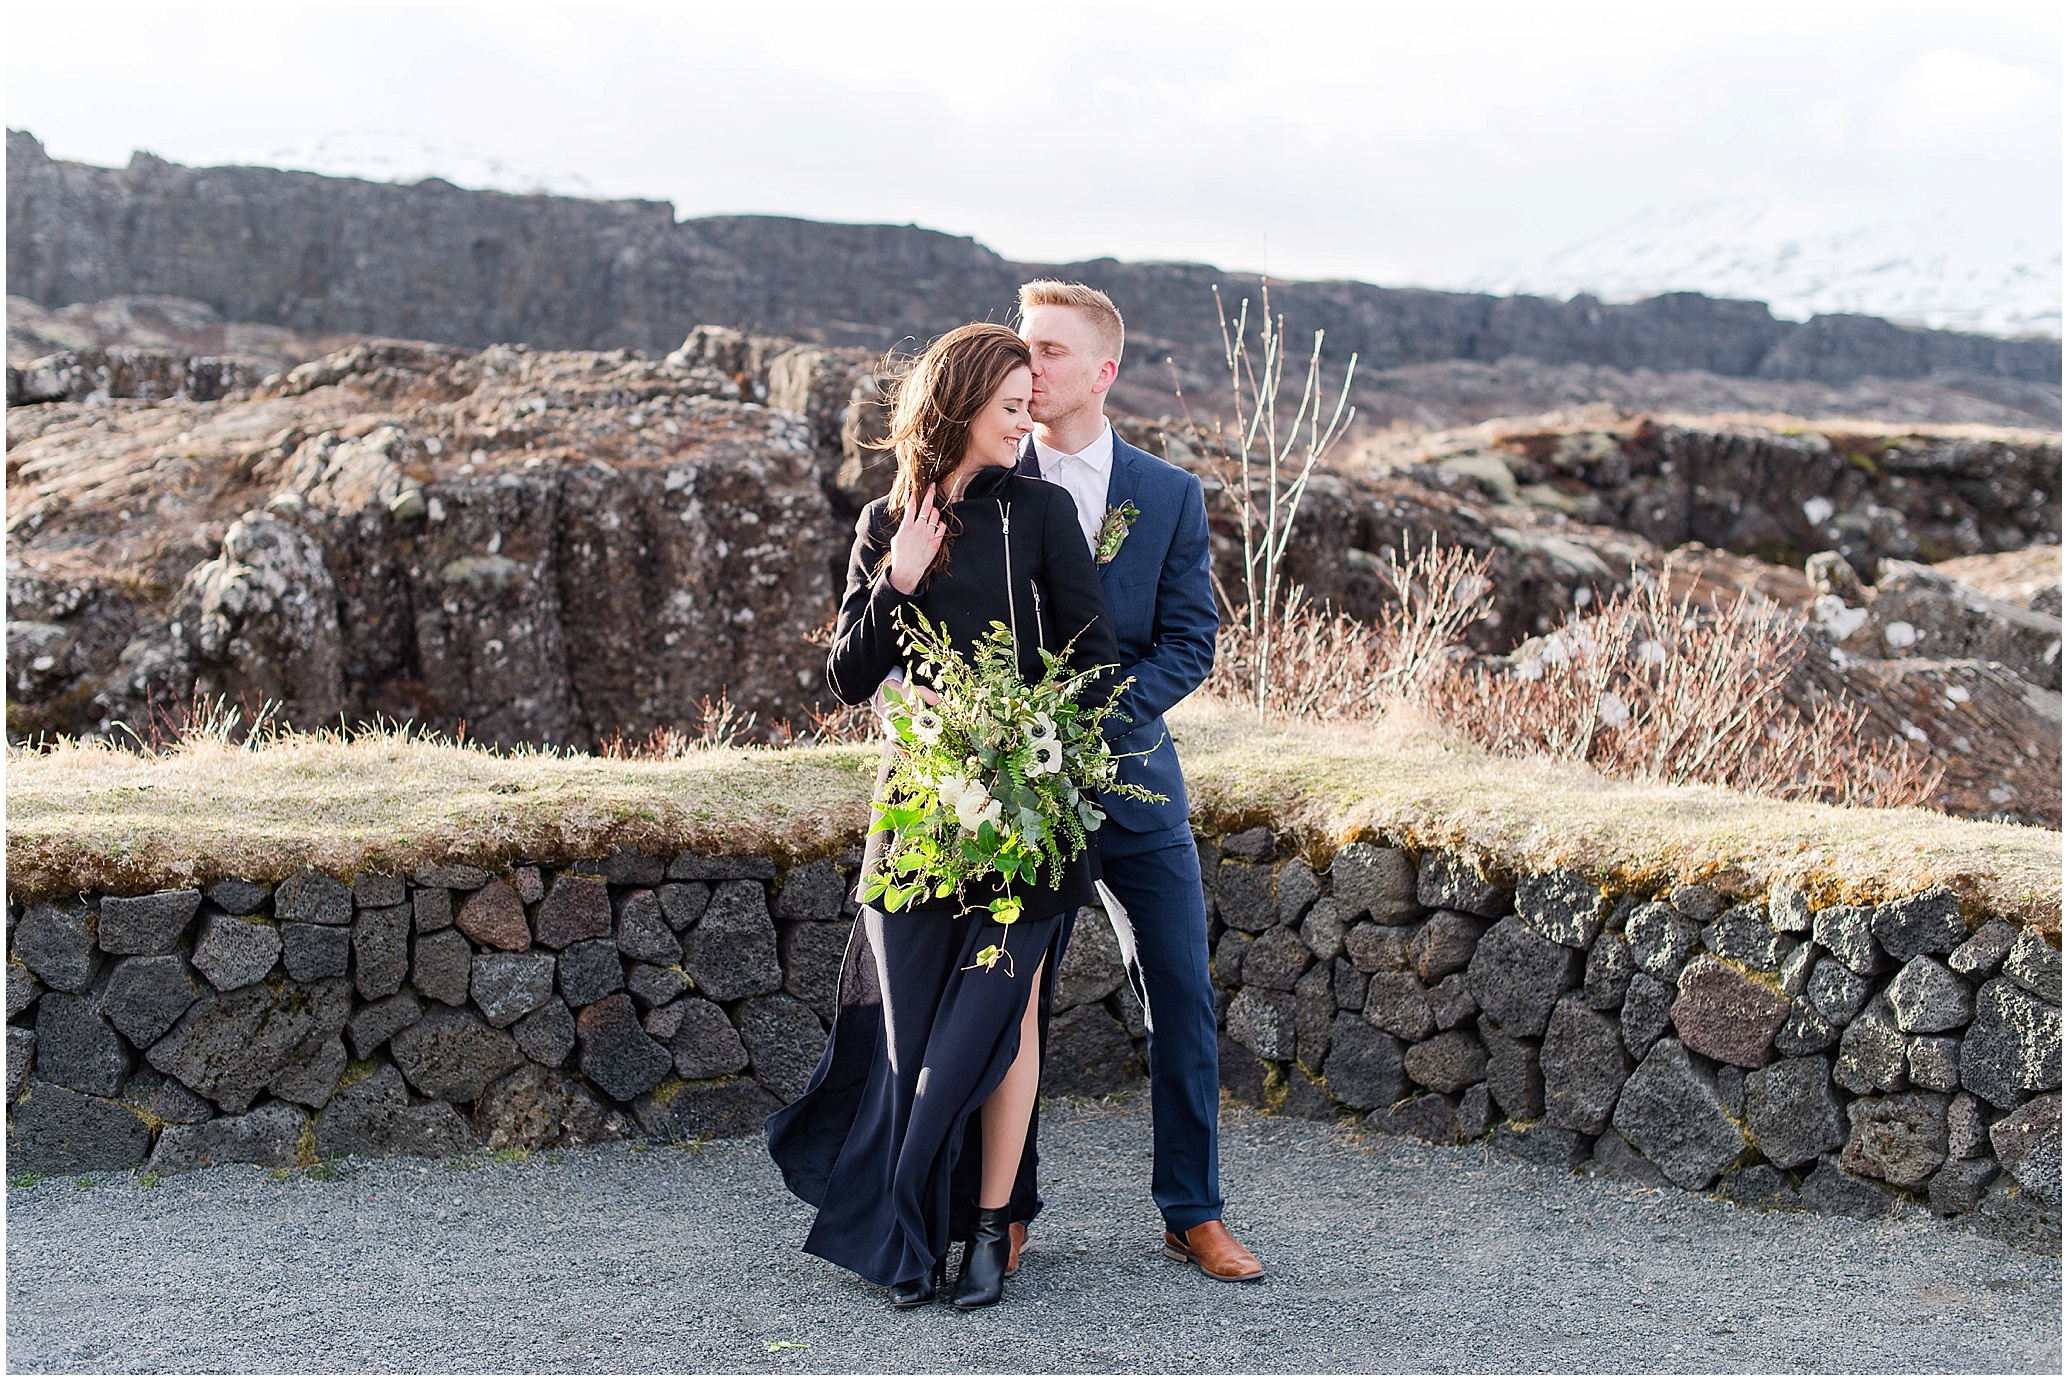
x,y
1644,686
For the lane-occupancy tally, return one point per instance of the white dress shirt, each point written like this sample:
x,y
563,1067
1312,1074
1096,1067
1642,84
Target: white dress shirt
x,y
1084,476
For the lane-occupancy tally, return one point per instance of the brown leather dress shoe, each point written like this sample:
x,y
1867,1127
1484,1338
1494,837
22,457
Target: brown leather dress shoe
x,y
1214,1250
1018,1240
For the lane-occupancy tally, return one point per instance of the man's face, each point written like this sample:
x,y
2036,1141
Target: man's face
x,y
1072,370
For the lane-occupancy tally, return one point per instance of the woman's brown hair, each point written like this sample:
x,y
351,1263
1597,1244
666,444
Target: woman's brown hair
x,y
933,406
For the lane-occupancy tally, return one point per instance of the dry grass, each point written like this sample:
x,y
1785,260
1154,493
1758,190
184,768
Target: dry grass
x,y
95,818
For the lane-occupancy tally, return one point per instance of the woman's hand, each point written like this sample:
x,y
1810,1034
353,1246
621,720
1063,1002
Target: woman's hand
x,y
918,539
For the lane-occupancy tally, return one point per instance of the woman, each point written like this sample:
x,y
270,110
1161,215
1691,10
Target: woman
x,y
914,1131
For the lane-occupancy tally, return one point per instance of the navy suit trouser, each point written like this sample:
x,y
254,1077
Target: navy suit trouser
x,y
1156,877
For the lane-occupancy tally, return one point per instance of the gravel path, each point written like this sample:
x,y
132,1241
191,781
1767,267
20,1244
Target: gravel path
x,y
1386,1256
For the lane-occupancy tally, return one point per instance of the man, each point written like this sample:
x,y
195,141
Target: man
x,y
1160,593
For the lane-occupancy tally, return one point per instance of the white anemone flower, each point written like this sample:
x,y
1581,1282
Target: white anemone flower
x,y
1048,756
926,726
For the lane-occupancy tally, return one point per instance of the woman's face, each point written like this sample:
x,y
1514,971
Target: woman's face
x,y
995,436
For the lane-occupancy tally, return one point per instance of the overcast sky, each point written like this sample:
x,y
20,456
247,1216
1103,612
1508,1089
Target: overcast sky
x,y
1441,144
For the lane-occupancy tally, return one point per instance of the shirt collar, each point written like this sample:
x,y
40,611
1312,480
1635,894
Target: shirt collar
x,y
1098,455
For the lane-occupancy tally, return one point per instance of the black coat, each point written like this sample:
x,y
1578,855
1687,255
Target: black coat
x,y
1054,594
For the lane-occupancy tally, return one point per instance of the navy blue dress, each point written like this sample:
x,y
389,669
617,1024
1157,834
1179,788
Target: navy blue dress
x,y
884,1140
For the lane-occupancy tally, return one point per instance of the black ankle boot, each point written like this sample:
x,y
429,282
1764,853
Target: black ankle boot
x,y
913,1293
982,1281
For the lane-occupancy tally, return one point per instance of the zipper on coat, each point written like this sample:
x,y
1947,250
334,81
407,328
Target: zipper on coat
x,y
1012,607
1040,626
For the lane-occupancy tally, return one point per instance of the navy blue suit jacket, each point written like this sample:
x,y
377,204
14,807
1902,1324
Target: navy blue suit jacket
x,y
1159,590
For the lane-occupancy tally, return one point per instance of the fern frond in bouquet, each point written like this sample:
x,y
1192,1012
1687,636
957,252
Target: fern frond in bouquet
x,y
994,781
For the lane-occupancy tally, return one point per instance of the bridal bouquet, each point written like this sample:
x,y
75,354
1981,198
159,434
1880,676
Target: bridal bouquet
x,y
994,781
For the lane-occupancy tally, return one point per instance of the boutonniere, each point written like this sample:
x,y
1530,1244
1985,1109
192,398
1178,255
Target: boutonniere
x,y
1113,531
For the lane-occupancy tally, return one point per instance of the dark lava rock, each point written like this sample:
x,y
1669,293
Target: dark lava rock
x,y
1796,967
21,1055
55,941
616,1052
1296,889
1089,1054
310,952
55,1131
1647,1005
1563,907
535,1107
2024,1220
1514,1072
1928,923
1848,933
1244,1077
1432,1117
689,867
1375,948
1543,1144
1451,1003
1609,967
375,1117
1448,1063
1584,1067
1928,996
1725,1015
1262,1022
1934,1063
720,1109
1793,1111
312,1070
22,988
1518,976
1375,882
1229,952
813,951
2032,964
1670,1111
377,890
705,1045
2012,1048
1323,929
1982,953
314,898
1617,1159
234,952
547,1035
631,868
662,1022
77,1048
1805,1032
267,1135
147,994
229,1046
643,933
373,1025
1352,984
1451,884
731,952
1959,1185
1443,944
380,951
1788,910
2027,1142
530,886
655,986
1397,1002
590,970
1836,991
454,877
1660,939
1365,1068
444,968
494,916
784,1041
1743,936
1276,959
166,1100
1873,1051
1307,1099
1759,1186
1967,1126
1697,901
812,892
1829,1189
507,987
452,1054
1243,893
150,924
432,907
238,897
1314,1013
1476,1113
1900,1139
1254,844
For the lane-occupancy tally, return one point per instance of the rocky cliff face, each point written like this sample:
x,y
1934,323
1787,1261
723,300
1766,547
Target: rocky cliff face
x,y
431,261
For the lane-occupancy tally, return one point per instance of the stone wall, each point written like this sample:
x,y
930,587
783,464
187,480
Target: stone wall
x,y
1778,1050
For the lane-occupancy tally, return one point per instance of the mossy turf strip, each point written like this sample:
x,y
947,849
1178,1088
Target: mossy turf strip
x,y
92,819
